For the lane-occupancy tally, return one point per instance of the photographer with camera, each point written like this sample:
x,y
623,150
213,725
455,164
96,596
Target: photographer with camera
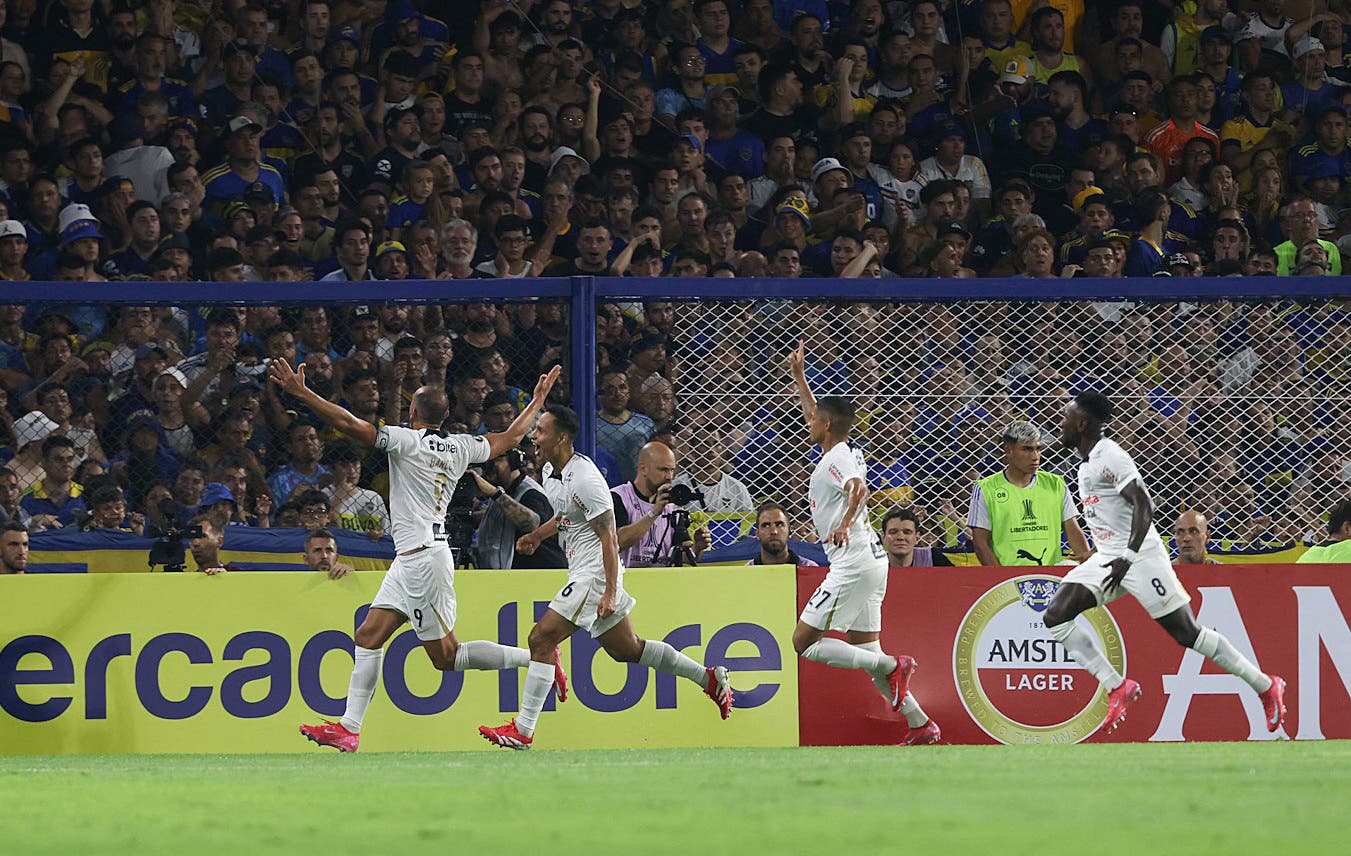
x,y
517,505
653,533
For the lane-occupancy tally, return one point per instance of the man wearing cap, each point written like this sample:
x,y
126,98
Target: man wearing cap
x,y
222,102
1038,157
218,503
1095,217
242,167
13,248
403,133
1309,92
81,240
515,503
950,162
730,147
391,261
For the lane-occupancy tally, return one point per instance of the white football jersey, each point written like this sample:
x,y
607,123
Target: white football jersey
x,y
579,495
1101,477
424,467
830,500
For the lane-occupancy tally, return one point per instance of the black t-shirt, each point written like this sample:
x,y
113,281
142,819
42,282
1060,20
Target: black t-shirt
x,y
548,555
388,165
461,114
801,125
351,172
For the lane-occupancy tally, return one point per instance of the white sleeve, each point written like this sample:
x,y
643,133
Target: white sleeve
x,y
977,515
477,449
1068,511
592,495
1118,468
1168,44
396,441
844,468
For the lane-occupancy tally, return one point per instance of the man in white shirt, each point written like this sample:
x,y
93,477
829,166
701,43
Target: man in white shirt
x,y
425,464
1131,557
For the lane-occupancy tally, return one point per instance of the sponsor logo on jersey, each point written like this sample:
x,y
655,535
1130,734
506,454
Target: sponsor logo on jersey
x,y
1019,684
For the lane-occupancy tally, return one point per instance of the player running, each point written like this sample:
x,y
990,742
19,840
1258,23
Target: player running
x,y
594,597
425,464
850,598
1131,557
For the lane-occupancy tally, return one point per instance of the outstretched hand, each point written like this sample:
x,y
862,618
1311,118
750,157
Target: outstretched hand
x,y
546,383
797,360
290,380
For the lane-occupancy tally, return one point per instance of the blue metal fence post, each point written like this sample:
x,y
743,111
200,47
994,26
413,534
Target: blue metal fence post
x,y
583,324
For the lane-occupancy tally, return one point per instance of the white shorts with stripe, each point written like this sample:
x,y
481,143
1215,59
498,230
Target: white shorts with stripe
x,y
421,587
577,602
849,598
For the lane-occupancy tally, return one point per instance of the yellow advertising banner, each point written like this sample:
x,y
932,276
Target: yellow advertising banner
x,y
105,663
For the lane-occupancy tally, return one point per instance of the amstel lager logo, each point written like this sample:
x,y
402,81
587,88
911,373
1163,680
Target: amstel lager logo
x,y
1019,684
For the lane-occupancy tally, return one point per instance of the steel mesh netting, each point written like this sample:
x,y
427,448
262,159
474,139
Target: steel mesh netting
x,y
159,402
1238,409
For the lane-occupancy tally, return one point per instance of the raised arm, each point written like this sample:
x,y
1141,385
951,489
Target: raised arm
x,y
515,433
293,381
857,492
797,361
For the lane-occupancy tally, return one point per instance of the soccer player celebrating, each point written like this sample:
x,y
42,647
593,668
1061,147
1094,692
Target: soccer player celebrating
x,y
425,464
1131,557
594,597
849,599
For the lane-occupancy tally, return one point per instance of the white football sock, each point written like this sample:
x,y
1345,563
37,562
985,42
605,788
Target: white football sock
x,y
837,652
361,688
914,714
482,655
1212,645
664,658
1085,651
879,678
538,681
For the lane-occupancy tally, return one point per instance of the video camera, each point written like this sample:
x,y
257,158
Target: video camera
x,y
460,521
679,521
171,549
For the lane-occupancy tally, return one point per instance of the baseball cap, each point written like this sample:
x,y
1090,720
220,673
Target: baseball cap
x,y
390,247
692,140
795,205
1179,259
397,113
176,241
239,46
151,350
825,165
259,192
176,374
953,227
401,10
80,229
234,209
496,397
723,89
12,229
100,345
1087,195
215,492
240,123
72,213
402,62
141,419
852,130
32,427
344,33
566,152
947,130
1216,33
1016,70
1033,110
1307,45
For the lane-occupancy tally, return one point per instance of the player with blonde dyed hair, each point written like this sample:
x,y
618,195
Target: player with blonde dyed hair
x,y
849,599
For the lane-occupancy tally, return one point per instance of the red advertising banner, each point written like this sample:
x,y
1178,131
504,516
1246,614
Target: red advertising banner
x,y
990,673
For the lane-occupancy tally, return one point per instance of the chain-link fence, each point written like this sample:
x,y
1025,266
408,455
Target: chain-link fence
x,y
1241,410
134,417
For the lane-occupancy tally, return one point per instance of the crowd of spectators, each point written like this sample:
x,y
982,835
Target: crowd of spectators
x,y
287,140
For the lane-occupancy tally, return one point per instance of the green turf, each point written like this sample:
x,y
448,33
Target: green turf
x,y
1286,798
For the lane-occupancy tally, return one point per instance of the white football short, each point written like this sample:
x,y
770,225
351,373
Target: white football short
x,y
1150,580
421,587
849,598
577,602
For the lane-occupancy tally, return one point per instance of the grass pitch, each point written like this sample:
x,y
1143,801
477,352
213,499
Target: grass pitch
x,y
1163,798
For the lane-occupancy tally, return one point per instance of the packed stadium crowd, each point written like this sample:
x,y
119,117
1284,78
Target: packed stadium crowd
x,y
295,141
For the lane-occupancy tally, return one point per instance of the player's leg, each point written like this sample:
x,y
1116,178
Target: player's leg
x,y
909,705
841,603
368,654
1071,599
1211,644
450,654
544,640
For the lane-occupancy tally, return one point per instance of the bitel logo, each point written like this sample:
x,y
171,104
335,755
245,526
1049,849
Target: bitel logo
x,y
1019,684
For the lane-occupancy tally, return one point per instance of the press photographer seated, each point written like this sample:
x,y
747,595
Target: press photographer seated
x,y
648,520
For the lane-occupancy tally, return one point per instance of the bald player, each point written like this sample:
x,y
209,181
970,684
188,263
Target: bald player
x,y
645,533
425,464
1191,533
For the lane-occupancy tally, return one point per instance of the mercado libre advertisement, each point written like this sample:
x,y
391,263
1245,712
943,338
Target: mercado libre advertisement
x,y
105,663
